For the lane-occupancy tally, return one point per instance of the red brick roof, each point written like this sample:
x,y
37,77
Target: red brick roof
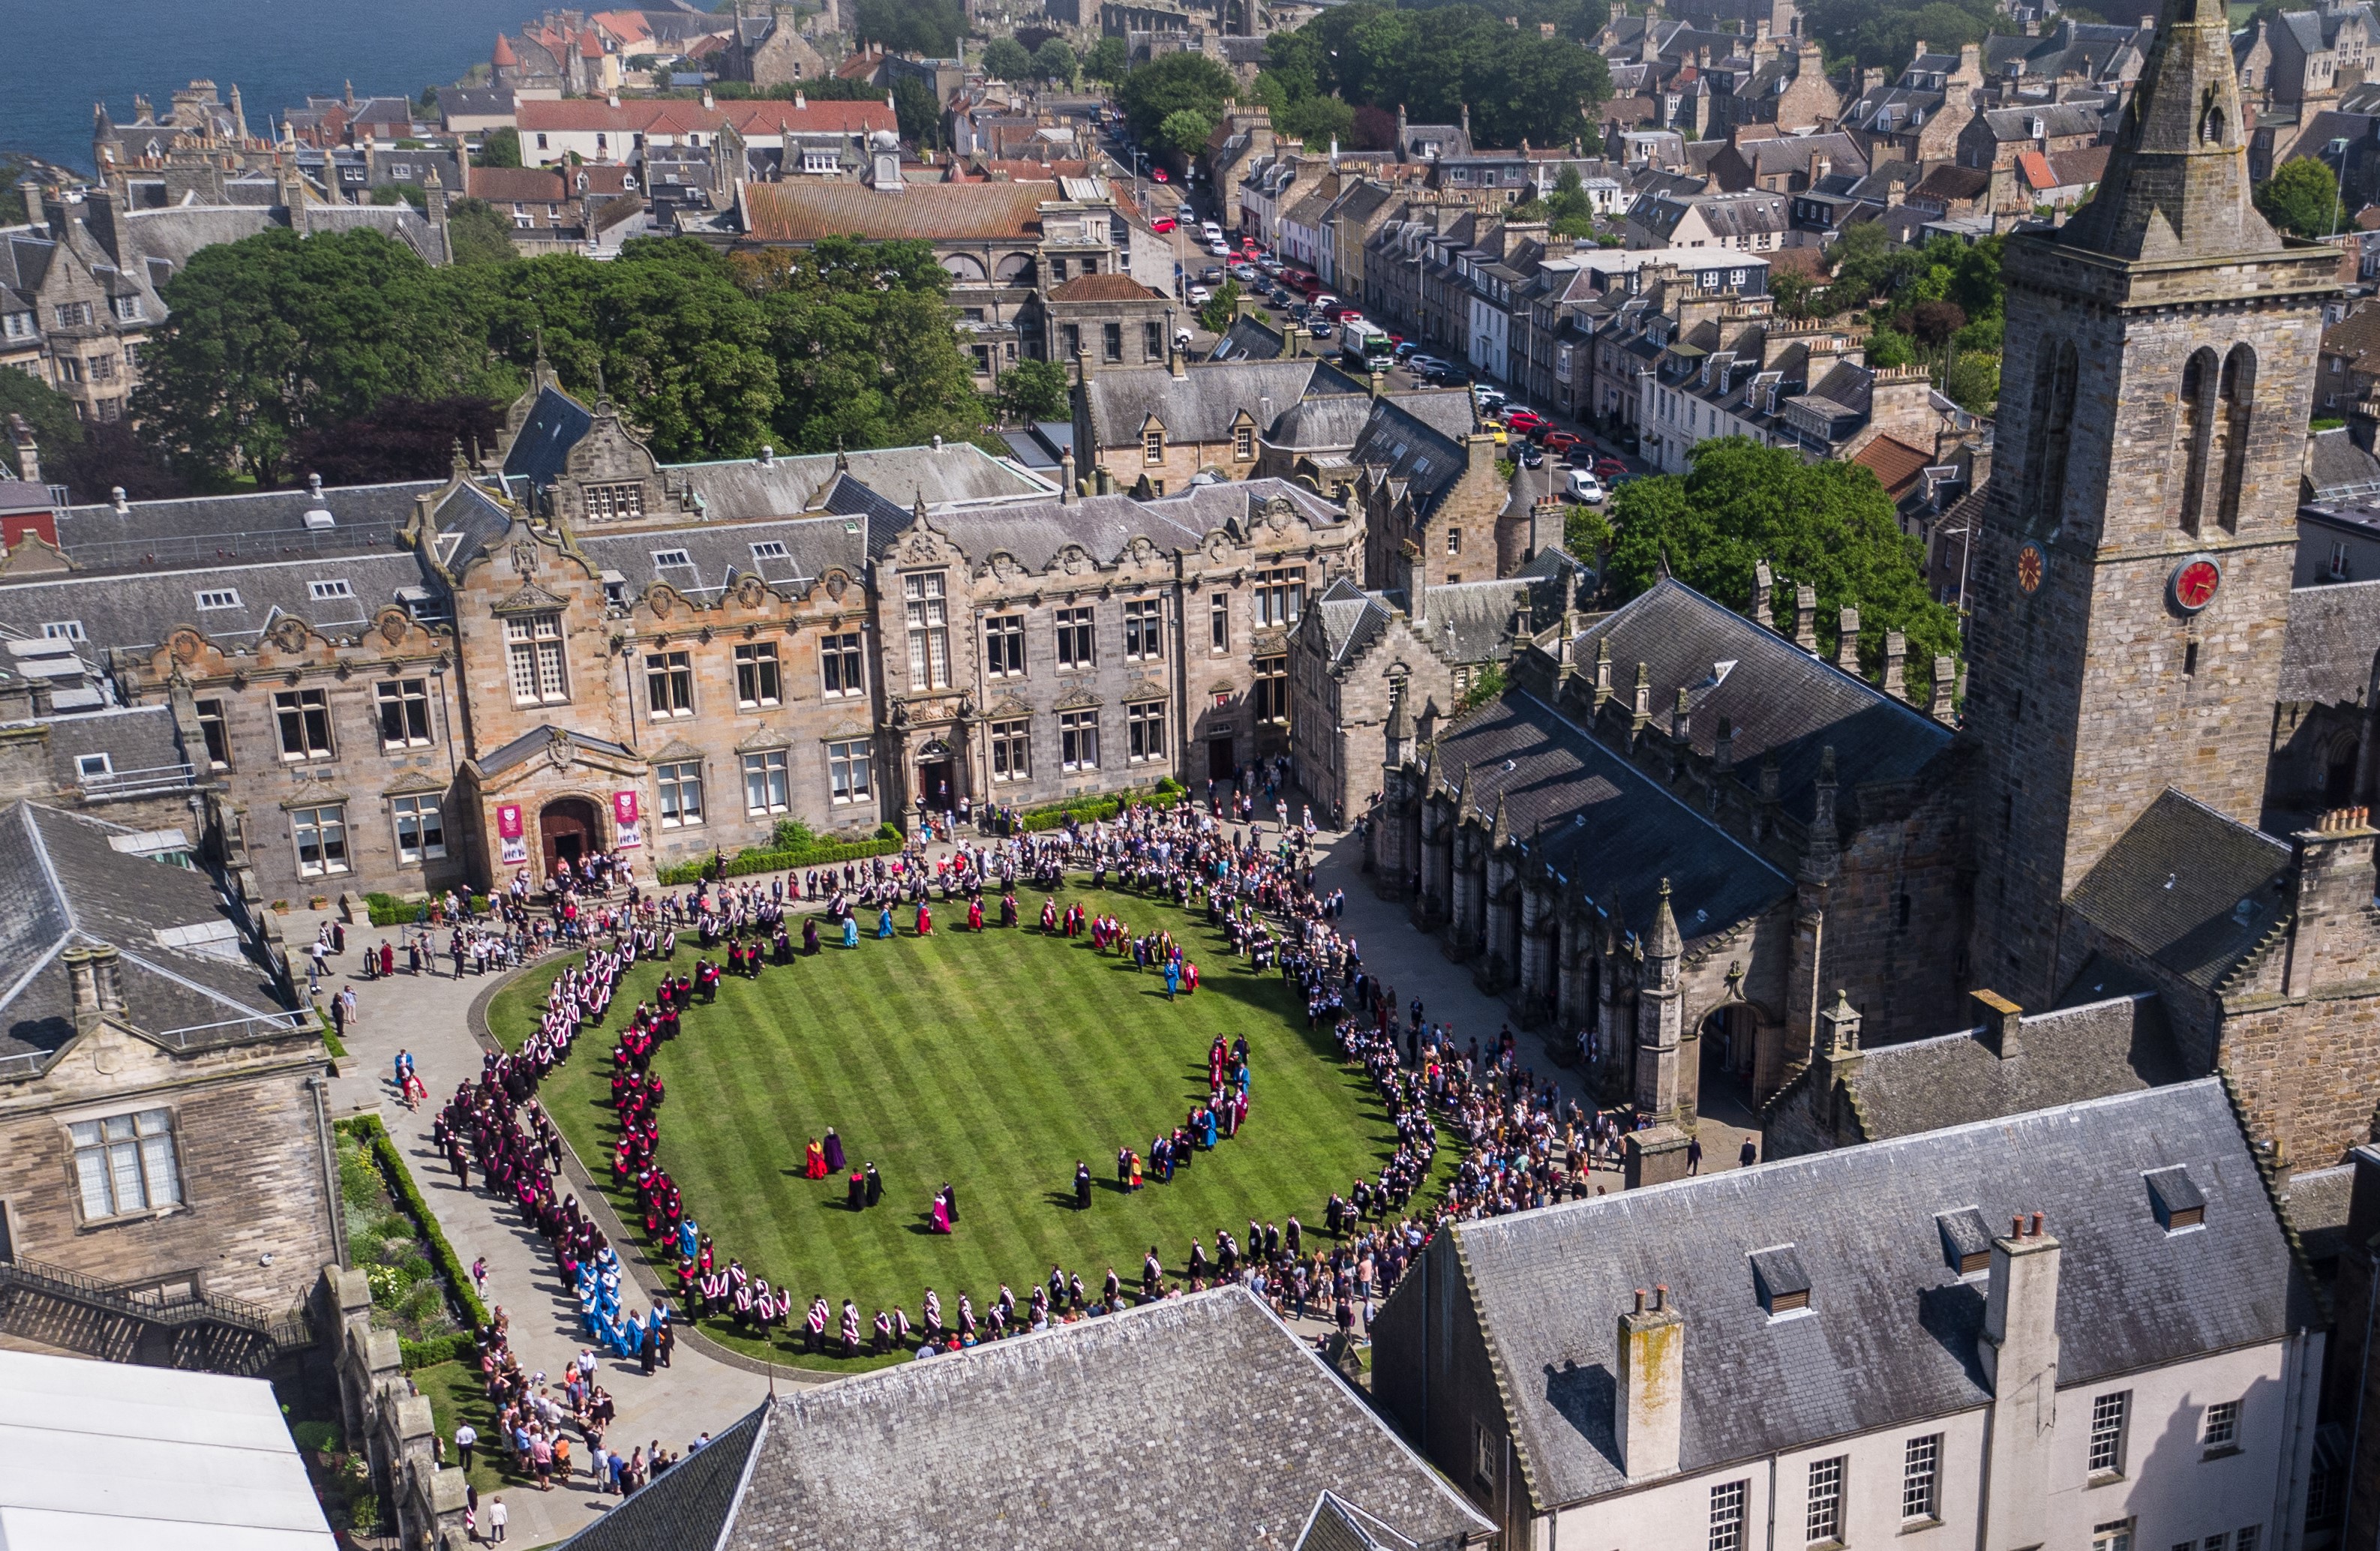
x,y
962,211
1895,463
515,185
2035,168
504,54
671,116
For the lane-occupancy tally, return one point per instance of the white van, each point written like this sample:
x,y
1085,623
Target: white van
x,y
1582,485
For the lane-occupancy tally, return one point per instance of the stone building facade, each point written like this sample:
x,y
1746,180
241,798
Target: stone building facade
x,y
436,684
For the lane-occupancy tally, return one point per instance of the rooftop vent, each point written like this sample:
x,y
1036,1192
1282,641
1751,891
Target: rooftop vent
x,y
1966,1240
1779,1280
2176,1199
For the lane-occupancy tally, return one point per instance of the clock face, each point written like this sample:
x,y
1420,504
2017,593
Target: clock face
x,y
2028,568
2195,583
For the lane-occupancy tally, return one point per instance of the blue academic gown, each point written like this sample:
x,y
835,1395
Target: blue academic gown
x,y
851,931
884,922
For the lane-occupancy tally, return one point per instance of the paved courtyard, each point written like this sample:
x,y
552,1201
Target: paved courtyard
x,y
436,1017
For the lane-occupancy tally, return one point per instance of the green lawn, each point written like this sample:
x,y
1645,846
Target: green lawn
x,y
991,1061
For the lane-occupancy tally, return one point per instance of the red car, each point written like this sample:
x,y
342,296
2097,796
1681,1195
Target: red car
x,y
1163,224
1157,173
1609,469
1528,422
1557,442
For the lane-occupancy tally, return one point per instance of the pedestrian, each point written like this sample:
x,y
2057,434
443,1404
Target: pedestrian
x,y
1695,1156
480,1276
465,1436
496,1517
1749,1156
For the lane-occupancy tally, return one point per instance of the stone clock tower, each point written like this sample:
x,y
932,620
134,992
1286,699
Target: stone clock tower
x,y
2130,589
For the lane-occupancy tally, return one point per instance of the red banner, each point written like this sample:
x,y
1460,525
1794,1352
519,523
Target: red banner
x,y
629,833
508,821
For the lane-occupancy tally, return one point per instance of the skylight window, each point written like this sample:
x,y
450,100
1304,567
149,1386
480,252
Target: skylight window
x,y
219,597
335,587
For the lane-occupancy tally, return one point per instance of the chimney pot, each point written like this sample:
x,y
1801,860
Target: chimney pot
x,y
2037,1225
1661,1296
1640,1299
2016,1227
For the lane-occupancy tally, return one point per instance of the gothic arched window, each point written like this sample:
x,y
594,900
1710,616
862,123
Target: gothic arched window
x,y
2053,420
2198,418
2238,396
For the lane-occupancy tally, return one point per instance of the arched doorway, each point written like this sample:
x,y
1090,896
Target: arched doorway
x,y
936,783
569,830
1731,1055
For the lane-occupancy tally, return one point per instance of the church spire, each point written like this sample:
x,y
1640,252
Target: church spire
x,y
2177,181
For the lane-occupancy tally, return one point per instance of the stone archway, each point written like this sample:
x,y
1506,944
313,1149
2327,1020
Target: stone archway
x,y
569,828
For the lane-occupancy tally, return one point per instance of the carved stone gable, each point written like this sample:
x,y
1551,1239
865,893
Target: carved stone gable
x,y
530,599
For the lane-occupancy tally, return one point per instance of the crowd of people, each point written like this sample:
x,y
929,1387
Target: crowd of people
x,y
1519,1144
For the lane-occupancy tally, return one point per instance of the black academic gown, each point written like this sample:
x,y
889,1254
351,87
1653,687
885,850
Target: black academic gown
x,y
875,1185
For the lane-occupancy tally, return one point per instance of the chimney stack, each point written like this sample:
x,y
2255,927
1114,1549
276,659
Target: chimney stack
x,y
1649,1420
107,978
1763,581
28,453
1723,747
82,988
1805,617
1847,642
1066,476
2000,1018
1896,652
2019,1352
1946,684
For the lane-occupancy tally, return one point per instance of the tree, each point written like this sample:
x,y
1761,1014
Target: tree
x,y
2301,196
401,193
1034,390
479,233
1170,85
932,28
1828,526
1886,35
398,439
1055,60
50,414
920,116
1220,309
1007,58
865,352
1974,380
1108,61
1437,59
1184,132
498,147
15,169
112,456
272,336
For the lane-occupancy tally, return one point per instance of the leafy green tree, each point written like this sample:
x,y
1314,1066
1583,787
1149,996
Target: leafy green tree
x,y
1108,61
1034,390
272,335
1974,380
1220,309
932,28
2301,196
478,233
400,194
1437,60
49,413
1827,525
1587,533
1184,132
14,169
498,147
865,352
920,117
1886,35
1008,60
1890,346
1055,61
1177,82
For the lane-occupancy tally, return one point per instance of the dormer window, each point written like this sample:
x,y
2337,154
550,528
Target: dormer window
x,y
325,591
2176,1198
1966,1240
1779,1281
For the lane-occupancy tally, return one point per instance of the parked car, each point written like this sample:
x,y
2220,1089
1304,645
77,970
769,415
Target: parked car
x,y
1219,250
1609,469
1490,399
1244,272
1448,375
1162,224
1212,274
1422,366
1405,350
1280,298
1530,457
1319,329
1157,173
1561,442
1199,295
1528,422
1582,485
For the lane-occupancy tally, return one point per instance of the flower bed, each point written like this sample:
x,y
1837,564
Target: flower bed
x,y
419,1287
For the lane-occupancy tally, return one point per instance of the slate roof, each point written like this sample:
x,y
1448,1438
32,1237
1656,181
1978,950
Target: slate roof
x,y
1200,405
2174,885
1247,340
1599,821
805,211
1779,698
2057,120
1398,444
954,474
1472,622
2101,1047
1891,1333
721,552
263,525
1034,533
137,611
690,1503
541,450
1014,1445
62,884
2326,656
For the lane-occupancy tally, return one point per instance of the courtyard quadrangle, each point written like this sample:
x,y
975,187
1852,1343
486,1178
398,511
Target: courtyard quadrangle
x,y
991,1062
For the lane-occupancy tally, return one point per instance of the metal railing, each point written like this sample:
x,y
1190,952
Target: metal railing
x,y
128,783
280,1332
267,1025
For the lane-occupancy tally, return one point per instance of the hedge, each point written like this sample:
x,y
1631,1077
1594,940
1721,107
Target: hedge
x,y
408,1200
388,910
456,1348
745,862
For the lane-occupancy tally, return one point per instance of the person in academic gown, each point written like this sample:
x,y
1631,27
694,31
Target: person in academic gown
x,y
1082,1186
814,1162
835,1161
951,1200
851,931
875,1185
942,1215
855,1192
